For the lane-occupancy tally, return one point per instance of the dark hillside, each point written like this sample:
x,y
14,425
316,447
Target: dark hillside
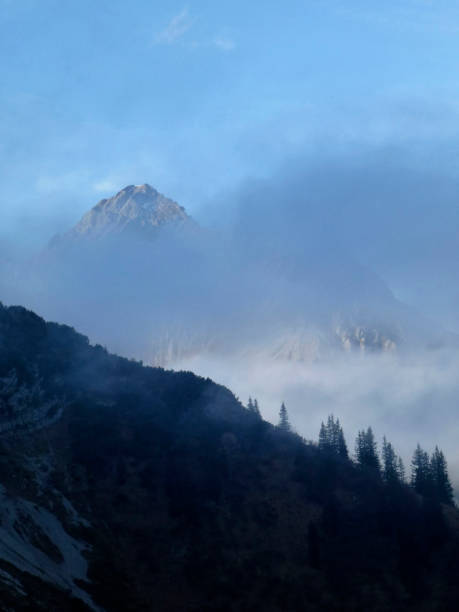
x,y
177,497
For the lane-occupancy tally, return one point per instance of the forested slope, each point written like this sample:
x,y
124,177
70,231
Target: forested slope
x,y
132,488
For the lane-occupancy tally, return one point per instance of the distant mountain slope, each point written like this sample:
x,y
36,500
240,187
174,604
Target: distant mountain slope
x,y
153,490
137,274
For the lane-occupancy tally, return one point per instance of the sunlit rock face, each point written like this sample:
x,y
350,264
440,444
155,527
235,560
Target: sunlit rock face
x,y
300,344
367,339
137,210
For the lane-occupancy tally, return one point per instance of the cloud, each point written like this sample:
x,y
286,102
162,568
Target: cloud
x,y
106,185
180,24
409,398
224,43
175,29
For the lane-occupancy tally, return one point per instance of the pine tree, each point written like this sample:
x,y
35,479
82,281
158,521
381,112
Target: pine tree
x,y
360,446
390,464
421,474
401,469
332,434
443,490
331,438
341,446
366,451
323,438
284,423
252,406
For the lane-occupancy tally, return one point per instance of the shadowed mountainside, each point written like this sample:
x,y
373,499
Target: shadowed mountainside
x,y
142,489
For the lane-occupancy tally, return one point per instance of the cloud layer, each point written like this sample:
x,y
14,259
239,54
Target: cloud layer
x,y
175,29
410,398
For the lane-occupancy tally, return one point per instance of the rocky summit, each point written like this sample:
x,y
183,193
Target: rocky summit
x,y
136,210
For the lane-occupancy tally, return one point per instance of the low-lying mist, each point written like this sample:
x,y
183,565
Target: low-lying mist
x,y
268,294
410,398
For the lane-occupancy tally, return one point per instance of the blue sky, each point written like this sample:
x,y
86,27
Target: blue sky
x,y
195,97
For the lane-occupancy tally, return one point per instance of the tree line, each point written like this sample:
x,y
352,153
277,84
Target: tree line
x,y
429,473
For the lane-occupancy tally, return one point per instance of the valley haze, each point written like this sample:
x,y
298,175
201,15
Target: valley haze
x,y
275,301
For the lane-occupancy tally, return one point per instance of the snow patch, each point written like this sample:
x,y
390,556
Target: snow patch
x,y
22,526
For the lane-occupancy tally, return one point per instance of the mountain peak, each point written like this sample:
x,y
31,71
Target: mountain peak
x,y
145,189
135,210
